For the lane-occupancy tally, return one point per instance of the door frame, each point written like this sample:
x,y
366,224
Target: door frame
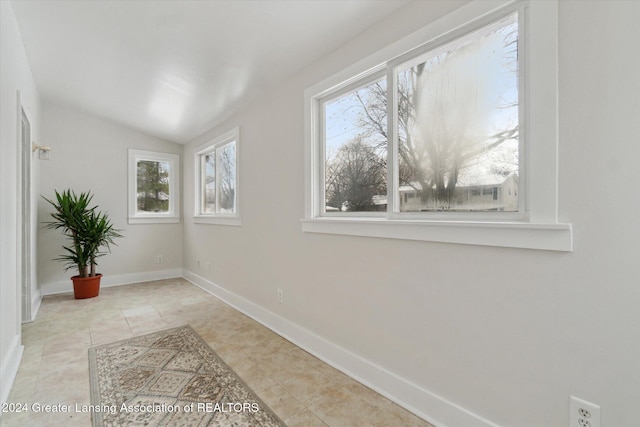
x,y
23,229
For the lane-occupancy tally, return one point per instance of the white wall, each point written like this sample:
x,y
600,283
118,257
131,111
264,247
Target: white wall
x,y
89,153
15,75
506,334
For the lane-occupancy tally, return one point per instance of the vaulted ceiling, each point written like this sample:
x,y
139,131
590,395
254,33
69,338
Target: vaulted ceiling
x,y
175,68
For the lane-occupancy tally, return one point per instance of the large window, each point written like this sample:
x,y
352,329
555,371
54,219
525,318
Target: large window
x,y
217,180
456,123
153,187
442,140
455,127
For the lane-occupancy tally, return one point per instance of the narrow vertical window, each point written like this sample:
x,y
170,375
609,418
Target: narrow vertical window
x,y
208,183
227,172
217,181
355,142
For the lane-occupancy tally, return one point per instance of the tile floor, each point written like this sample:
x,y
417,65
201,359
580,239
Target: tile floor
x,y
299,388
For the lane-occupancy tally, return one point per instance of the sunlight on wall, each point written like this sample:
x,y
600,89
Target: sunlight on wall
x,y
170,100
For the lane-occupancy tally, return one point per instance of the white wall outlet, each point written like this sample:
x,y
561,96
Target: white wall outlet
x,y
583,413
208,266
280,296
160,259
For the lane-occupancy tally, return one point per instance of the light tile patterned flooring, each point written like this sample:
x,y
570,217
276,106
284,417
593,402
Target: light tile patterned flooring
x,y
299,388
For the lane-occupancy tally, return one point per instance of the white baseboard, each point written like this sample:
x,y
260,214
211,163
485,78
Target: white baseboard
x,y
36,300
9,368
414,398
114,280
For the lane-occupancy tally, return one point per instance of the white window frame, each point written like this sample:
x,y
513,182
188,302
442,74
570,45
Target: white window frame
x,y
536,226
218,143
173,215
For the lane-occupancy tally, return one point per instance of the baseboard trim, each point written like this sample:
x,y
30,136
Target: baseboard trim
x,y
416,399
9,369
36,300
114,280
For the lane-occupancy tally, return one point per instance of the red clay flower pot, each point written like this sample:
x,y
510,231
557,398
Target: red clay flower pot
x,y
86,287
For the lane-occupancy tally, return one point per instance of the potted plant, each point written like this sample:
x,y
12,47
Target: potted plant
x,y
89,231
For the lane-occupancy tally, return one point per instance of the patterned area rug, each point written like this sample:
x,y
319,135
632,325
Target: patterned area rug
x,y
170,378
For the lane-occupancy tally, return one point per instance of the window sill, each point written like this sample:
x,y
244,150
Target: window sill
x,y
218,220
542,236
154,220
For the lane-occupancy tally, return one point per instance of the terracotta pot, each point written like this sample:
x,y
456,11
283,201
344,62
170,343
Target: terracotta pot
x,y
86,287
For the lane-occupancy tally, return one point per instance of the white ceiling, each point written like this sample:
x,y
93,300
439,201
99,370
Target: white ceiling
x,y
175,68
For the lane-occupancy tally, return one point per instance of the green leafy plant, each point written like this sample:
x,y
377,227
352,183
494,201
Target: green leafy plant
x,y
88,230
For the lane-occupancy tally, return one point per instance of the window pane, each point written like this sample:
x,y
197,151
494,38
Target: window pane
x,y
227,178
152,186
209,183
355,137
458,124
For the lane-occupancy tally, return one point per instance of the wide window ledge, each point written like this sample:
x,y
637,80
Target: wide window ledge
x,y
217,220
154,220
542,236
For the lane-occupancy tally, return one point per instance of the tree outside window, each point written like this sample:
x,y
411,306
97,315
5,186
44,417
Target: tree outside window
x,y
153,186
217,179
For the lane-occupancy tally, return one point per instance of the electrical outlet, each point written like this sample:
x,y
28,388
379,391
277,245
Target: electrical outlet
x,y
280,296
583,413
198,264
208,267
160,259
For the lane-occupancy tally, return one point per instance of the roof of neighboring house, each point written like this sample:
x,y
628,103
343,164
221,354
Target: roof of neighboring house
x,y
379,199
485,180
468,181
